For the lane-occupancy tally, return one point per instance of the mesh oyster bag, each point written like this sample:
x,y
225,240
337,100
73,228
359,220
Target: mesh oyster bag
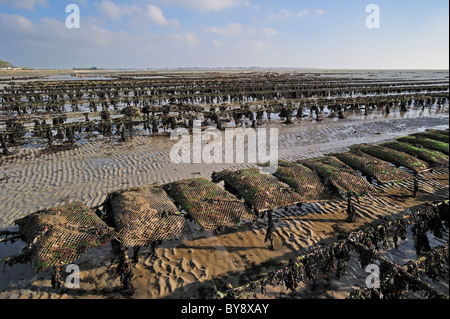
x,y
339,175
426,142
208,204
393,156
305,182
262,191
434,158
59,236
144,215
382,171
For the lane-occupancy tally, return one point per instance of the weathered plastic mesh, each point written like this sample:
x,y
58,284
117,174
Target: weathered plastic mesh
x,y
58,236
144,215
444,132
432,157
340,175
393,156
262,191
305,182
208,204
426,142
382,171
433,136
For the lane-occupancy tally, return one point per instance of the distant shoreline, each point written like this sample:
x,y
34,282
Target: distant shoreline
x,y
46,72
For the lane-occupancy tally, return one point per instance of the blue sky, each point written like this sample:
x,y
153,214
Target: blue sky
x,y
226,33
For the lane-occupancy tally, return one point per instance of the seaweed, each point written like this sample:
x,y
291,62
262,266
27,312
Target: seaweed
x,y
373,167
433,136
144,215
426,142
395,157
305,182
394,280
208,204
262,191
442,132
58,236
430,156
340,175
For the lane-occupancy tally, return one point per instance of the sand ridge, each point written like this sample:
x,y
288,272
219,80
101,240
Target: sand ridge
x,y
203,259
91,171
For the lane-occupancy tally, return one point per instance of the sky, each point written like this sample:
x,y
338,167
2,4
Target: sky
x,y
226,33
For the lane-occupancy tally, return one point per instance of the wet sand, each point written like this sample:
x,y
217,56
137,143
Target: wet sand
x,y
188,267
30,181
191,266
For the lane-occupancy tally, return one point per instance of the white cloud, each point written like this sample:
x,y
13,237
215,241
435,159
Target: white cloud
x,y
268,32
217,43
319,12
207,5
16,23
112,10
150,13
186,38
82,2
116,12
231,29
156,15
285,15
51,32
24,4
238,29
258,45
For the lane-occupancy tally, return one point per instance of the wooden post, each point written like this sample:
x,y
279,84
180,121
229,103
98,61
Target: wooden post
x,y
49,136
269,234
4,146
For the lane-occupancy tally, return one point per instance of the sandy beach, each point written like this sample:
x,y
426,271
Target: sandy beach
x,y
193,265
224,158
185,266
